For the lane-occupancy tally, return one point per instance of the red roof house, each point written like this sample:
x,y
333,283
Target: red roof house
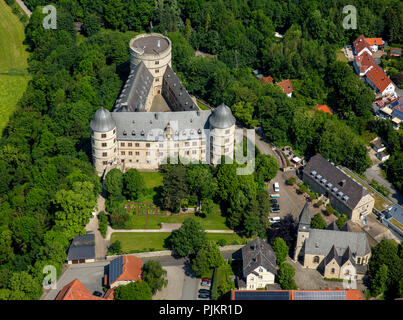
x,y
286,86
75,290
363,63
377,78
268,79
124,269
361,45
323,108
374,41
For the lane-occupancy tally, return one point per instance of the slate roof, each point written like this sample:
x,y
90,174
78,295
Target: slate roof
x,y
396,212
333,226
134,94
150,43
149,126
320,242
222,117
102,121
258,253
304,222
82,247
320,166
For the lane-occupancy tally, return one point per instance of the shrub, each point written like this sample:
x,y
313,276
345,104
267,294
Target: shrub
x,y
102,223
319,203
115,248
222,242
291,181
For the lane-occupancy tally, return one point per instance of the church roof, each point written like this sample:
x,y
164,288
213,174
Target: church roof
x,y
222,117
304,218
102,121
333,226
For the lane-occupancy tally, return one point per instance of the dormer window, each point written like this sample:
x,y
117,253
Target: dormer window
x,y
133,133
125,133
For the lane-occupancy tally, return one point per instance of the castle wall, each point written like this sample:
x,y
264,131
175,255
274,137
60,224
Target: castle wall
x,y
104,149
221,143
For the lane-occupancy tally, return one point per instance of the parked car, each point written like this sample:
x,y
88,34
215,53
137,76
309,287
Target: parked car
x,y
203,296
98,294
206,280
275,210
206,283
276,187
204,291
273,201
275,196
274,219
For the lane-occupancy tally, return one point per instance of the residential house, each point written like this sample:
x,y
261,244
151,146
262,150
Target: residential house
x,y
395,52
375,43
345,194
268,79
123,270
286,86
75,290
393,219
397,112
380,82
82,249
378,145
327,294
258,265
334,253
360,45
363,63
383,156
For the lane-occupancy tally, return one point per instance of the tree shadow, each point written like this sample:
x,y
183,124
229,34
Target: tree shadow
x,y
157,198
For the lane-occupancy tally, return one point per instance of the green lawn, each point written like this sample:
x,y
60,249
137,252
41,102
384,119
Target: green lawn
x,y
213,221
153,183
133,242
13,63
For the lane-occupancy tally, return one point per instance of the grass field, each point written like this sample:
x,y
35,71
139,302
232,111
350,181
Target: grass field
x,y
153,182
133,242
340,56
13,63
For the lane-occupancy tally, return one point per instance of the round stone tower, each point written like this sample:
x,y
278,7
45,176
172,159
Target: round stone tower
x,y
103,138
154,50
222,133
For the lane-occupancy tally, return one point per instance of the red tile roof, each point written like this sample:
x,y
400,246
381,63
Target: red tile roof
x,y
75,290
378,78
324,108
364,61
286,86
373,41
268,79
131,270
109,295
360,44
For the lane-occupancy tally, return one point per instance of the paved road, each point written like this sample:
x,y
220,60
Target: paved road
x,y
101,244
375,173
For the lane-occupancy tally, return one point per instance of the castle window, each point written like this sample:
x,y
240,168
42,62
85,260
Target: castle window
x,y
359,260
129,144
176,145
104,154
157,79
122,153
114,150
161,145
103,135
104,163
316,259
147,153
147,145
137,144
186,144
203,143
114,140
332,271
130,153
125,133
347,272
194,143
227,140
137,153
227,131
104,144
114,131
123,160
194,151
157,62
157,70
122,144
226,149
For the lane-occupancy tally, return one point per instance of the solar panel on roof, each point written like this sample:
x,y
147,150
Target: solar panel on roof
x,y
262,295
115,269
319,295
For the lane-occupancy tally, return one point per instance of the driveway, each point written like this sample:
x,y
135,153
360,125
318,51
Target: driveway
x,y
173,291
375,173
90,274
101,244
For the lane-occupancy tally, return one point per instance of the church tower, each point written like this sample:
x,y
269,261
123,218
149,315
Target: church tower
x,y
103,138
304,227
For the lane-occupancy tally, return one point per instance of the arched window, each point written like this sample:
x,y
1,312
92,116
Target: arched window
x,y
333,270
316,259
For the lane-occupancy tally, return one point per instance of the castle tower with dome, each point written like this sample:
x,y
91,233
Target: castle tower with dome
x,y
155,118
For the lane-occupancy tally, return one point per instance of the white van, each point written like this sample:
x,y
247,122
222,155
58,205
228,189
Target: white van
x,y
274,219
276,187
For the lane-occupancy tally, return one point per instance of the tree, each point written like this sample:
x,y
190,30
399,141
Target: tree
x,y
201,181
285,276
133,183
115,247
114,183
188,239
266,165
208,257
378,283
174,188
341,221
136,290
6,250
281,249
154,275
318,222
24,287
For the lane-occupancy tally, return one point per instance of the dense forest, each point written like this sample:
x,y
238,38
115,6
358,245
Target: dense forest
x,y
48,186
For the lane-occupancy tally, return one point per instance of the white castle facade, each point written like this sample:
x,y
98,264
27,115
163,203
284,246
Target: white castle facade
x,y
155,118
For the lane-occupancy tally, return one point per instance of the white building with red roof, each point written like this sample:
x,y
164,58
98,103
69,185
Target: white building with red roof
x,y
123,270
375,43
363,63
360,46
286,86
380,82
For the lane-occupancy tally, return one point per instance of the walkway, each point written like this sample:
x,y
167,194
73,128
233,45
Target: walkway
x,y
24,7
101,244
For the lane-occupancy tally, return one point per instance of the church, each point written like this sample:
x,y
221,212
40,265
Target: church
x,y
155,118
335,253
